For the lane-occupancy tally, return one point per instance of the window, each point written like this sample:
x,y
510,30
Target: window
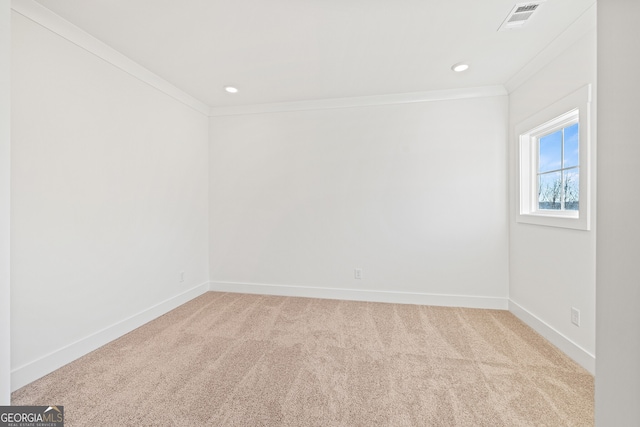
x,y
554,164
558,166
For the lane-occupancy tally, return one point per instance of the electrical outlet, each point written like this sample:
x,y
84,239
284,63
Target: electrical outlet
x,y
357,273
575,316
181,276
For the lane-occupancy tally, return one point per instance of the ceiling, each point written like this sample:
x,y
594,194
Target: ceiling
x,y
294,50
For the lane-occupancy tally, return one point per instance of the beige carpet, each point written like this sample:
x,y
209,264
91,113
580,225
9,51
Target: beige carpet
x,y
247,360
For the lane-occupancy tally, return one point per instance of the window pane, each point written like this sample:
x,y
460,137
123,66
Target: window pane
x,y
571,190
571,146
550,190
550,156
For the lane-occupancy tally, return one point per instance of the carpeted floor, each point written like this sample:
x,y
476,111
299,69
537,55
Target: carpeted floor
x,y
247,360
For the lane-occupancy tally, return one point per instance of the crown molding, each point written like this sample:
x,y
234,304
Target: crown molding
x,y
579,28
65,29
364,101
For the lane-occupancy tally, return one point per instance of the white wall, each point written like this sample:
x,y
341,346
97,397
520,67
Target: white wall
x,y
109,182
553,269
109,201
414,194
618,269
5,167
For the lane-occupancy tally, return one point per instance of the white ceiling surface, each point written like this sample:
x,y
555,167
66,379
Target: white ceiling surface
x,y
294,50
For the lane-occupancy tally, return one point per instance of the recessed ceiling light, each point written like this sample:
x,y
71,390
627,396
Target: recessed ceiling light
x,y
231,89
460,67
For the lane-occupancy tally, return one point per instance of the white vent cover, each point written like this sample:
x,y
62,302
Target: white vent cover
x,y
520,15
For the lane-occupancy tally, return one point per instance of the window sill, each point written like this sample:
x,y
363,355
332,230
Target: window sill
x,y
554,220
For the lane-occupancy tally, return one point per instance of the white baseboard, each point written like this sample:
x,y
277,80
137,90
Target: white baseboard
x,y
571,349
467,301
29,372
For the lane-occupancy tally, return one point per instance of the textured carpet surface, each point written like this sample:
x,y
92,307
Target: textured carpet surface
x,y
247,360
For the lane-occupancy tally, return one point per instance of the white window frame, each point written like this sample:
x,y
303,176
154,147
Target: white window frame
x,y
574,108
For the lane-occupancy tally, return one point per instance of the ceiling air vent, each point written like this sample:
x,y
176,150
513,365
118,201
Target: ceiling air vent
x,y
520,15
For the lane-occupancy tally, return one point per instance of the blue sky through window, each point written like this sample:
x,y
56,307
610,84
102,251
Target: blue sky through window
x,y
571,150
558,181
551,149
551,152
